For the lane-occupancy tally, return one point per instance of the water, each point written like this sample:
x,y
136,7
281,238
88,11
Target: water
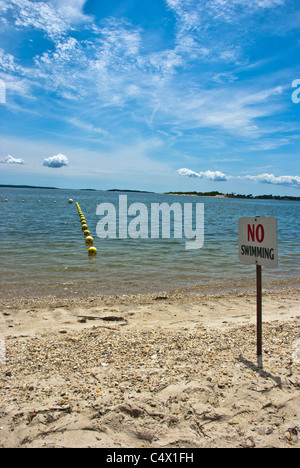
x,y
42,245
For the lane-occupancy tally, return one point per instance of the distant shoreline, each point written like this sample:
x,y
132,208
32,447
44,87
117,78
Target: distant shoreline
x,y
82,190
28,186
213,194
234,195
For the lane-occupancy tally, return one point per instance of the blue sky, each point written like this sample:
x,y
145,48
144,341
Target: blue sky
x,y
151,94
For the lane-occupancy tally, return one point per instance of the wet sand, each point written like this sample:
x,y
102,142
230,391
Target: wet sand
x,y
169,370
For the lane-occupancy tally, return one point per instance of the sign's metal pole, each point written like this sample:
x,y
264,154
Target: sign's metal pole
x,y
259,308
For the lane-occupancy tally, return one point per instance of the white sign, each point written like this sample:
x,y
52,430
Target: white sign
x,y
258,241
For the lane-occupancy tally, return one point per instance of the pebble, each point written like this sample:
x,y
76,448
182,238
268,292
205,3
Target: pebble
x,y
94,364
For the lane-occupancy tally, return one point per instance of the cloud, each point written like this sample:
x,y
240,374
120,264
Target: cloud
x,y
231,109
54,17
216,176
56,161
87,126
111,65
40,16
11,160
8,63
193,16
190,12
290,181
114,65
71,9
293,181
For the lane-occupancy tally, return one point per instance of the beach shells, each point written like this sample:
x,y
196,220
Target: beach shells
x,y
133,373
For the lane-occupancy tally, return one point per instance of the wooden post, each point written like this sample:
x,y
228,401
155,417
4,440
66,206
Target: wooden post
x,y
259,309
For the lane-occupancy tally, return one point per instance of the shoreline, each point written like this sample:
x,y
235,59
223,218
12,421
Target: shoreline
x,y
38,315
234,196
169,370
215,194
19,295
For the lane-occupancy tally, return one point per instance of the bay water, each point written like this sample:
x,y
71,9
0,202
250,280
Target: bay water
x,y
42,244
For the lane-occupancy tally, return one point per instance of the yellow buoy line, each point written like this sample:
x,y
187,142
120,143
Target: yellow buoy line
x,y
88,238
23,201
70,201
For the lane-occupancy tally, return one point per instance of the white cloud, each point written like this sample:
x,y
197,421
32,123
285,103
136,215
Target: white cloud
x,y
198,21
108,67
71,9
8,63
117,46
114,68
56,161
65,50
165,63
39,15
210,175
87,126
292,181
55,17
11,160
190,12
235,110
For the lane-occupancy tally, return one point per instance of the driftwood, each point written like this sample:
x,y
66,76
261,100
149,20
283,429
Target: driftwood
x,y
112,318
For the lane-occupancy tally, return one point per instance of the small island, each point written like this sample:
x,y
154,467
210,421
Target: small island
x,y
235,195
27,187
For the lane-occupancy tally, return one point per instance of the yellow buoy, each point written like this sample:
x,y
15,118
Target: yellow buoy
x,y
84,227
89,241
86,233
92,252
6,200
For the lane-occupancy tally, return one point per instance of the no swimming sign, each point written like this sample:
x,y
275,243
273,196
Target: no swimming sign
x,y
258,246
258,241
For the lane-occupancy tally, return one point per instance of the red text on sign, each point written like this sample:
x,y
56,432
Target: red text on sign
x,y
256,233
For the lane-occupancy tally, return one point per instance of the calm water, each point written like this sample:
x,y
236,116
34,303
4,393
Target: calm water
x,y
42,244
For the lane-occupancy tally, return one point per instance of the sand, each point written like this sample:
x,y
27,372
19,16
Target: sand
x,y
169,370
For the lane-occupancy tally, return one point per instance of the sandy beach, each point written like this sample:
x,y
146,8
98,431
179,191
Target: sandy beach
x,y
169,370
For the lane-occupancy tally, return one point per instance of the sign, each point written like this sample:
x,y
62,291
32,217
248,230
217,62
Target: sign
x,y
258,246
258,241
